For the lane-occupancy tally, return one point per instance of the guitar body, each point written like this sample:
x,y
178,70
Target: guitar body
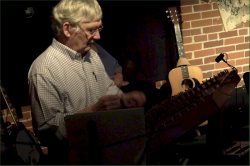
x,y
180,83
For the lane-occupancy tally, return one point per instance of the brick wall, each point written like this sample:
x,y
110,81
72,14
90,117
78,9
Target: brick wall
x,y
204,38
26,119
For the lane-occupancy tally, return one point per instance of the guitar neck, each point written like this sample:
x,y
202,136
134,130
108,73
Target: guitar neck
x,y
174,16
10,107
184,71
179,40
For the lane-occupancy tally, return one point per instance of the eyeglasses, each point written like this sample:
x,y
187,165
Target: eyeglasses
x,y
92,32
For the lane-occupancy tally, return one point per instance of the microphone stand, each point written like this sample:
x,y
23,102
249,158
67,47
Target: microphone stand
x,y
221,57
229,65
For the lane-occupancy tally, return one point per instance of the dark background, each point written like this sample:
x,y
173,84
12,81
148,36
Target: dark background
x,y
137,30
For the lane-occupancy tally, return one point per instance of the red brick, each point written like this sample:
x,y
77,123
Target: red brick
x,y
187,40
247,39
210,59
212,29
215,5
200,38
245,68
212,36
203,53
243,32
202,7
195,62
186,25
211,44
207,67
234,40
189,2
27,124
235,55
242,61
201,23
26,115
217,21
225,49
190,17
186,9
188,55
192,47
239,68
26,108
221,66
191,32
207,75
228,34
242,46
210,14
247,53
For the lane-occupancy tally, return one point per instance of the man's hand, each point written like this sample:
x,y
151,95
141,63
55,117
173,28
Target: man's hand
x,y
128,100
133,99
107,102
118,79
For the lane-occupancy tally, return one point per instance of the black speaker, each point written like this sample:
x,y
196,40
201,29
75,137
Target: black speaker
x,y
246,80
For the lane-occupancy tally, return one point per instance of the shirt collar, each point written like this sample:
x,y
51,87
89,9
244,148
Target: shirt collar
x,y
66,50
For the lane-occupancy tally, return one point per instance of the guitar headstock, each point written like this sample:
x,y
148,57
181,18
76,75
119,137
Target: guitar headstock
x,y
173,15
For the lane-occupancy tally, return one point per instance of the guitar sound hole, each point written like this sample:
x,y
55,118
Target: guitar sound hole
x,y
187,84
196,82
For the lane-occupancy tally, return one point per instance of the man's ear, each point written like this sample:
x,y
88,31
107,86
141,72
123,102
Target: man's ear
x,y
66,29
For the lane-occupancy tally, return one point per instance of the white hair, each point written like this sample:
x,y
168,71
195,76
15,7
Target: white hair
x,y
74,12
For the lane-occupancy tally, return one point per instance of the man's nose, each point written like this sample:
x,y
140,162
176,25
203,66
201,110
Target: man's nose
x,y
97,36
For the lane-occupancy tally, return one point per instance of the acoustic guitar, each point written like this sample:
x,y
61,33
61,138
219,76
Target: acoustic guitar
x,y
184,76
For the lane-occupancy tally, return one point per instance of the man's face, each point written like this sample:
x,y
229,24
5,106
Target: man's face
x,y
82,39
